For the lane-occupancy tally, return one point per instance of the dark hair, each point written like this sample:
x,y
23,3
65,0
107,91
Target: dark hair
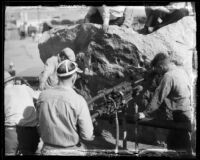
x,y
159,59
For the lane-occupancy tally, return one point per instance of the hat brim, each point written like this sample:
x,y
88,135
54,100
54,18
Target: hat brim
x,y
79,70
9,79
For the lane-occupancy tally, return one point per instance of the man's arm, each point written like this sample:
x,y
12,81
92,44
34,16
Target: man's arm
x,y
160,94
128,17
85,122
105,14
48,70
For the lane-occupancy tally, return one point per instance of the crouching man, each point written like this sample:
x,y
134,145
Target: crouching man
x,y
64,117
175,86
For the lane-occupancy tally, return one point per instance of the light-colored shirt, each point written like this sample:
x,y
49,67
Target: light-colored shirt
x,y
18,105
175,86
63,117
49,75
107,13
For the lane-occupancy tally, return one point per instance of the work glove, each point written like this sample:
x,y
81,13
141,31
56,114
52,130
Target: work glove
x,y
138,116
42,86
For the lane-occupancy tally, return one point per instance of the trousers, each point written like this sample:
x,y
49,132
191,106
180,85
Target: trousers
x,y
77,150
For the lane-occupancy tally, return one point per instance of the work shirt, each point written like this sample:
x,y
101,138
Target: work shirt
x,y
18,105
175,86
63,117
107,13
49,75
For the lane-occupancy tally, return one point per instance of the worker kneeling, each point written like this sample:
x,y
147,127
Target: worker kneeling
x,y
64,117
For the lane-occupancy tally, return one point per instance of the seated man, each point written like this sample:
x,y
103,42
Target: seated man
x,y
48,78
119,15
159,16
175,86
21,135
64,117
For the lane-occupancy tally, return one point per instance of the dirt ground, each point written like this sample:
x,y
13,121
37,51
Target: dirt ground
x,y
25,55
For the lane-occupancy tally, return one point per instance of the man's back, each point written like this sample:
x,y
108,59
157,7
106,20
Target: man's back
x,y
60,111
180,87
19,107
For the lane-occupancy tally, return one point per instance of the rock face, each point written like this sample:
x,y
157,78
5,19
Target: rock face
x,y
108,57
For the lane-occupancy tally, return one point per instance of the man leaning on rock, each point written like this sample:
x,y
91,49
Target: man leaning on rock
x,y
175,86
107,15
48,78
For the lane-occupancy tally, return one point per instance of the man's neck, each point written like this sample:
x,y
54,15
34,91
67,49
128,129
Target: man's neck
x,y
65,85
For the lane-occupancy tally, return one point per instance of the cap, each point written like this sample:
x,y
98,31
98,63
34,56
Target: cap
x,y
7,77
11,64
67,68
69,53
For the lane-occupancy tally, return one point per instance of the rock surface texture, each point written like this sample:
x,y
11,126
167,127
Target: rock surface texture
x,y
107,58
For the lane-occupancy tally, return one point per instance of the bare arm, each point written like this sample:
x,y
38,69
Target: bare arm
x,y
105,13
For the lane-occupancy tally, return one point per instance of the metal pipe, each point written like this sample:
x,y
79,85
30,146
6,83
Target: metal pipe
x,y
117,132
124,128
136,128
166,124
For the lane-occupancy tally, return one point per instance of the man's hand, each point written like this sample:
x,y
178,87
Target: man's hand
x,y
42,86
105,28
86,20
141,115
138,116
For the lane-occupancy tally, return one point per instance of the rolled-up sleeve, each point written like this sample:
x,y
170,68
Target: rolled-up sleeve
x,y
160,94
105,13
85,122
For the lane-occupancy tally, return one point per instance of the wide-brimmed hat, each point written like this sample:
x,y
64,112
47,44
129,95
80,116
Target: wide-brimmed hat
x,y
69,53
7,77
67,68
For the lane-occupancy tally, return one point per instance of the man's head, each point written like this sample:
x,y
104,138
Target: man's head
x,y
66,53
67,72
161,63
8,78
11,65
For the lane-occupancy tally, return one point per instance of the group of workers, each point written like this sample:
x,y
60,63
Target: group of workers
x,y
60,116
156,16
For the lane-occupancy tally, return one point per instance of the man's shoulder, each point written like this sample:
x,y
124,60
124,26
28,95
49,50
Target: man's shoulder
x,y
53,59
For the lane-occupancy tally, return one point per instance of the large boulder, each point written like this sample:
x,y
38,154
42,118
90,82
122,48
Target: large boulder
x,y
109,57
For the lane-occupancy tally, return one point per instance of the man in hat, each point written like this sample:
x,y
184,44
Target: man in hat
x,y
64,117
175,86
20,118
48,78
